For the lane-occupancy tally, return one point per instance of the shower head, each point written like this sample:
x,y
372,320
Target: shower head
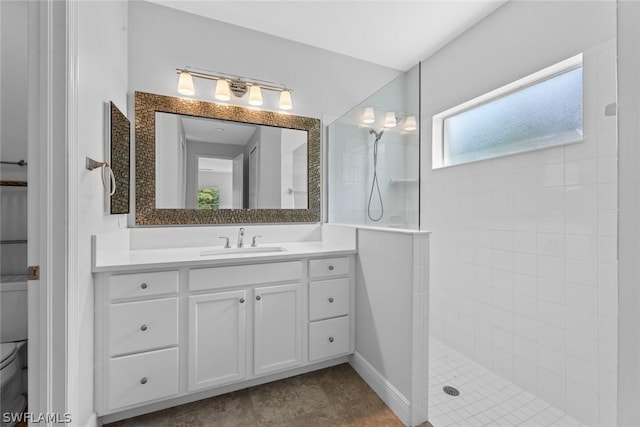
x,y
377,134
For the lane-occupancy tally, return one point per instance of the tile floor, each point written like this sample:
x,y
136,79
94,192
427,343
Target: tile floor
x,y
335,396
485,399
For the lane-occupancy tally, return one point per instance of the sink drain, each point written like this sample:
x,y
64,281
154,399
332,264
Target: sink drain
x,y
451,391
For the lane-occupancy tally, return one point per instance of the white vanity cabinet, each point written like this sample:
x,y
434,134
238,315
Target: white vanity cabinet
x,y
169,337
137,338
277,331
330,301
217,339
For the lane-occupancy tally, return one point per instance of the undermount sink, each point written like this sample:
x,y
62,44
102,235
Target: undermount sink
x,y
248,250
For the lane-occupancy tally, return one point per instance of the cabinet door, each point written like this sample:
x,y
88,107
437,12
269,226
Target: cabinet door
x,y
277,336
217,339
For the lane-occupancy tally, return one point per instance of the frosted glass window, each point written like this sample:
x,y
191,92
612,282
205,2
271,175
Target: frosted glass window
x,y
544,113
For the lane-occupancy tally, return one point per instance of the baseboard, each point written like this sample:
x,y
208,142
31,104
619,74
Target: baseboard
x,y
92,421
390,395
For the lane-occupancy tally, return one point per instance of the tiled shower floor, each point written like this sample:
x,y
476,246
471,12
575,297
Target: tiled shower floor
x,y
485,399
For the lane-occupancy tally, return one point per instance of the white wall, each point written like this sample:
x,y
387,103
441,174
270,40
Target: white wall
x,y
163,39
629,205
14,39
524,247
102,76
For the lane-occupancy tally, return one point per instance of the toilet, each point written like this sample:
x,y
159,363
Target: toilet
x,y
13,345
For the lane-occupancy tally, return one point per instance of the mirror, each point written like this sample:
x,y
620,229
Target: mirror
x,y
269,172
204,163
118,156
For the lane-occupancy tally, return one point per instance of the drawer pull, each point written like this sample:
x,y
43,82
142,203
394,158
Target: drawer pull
x,y
331,299
241,300
331,267
143,328
144,380
143,285
258,297
331,339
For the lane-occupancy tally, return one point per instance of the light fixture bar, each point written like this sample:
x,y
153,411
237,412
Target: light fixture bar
x,y
274,87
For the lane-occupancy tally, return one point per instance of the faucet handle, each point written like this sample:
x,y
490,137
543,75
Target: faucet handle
x,y
253,241
227,245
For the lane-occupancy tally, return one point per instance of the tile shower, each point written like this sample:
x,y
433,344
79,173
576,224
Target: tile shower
x,y
524,265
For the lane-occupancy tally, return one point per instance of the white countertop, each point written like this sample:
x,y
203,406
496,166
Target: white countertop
x,y
140,259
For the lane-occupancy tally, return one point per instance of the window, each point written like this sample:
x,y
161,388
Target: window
x,y
539,111
209,198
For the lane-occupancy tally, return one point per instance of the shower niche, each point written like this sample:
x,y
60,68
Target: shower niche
x,y
374,158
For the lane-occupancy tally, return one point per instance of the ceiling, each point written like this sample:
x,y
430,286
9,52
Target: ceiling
x,y
394,34
219,131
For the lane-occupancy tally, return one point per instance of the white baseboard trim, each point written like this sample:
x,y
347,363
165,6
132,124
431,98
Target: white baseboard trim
x,y
92,421
396,401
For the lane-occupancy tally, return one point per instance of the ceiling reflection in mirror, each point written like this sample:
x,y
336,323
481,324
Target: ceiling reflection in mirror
x,y
205,163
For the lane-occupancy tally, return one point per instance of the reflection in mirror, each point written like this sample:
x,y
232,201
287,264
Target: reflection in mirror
x,y
205,163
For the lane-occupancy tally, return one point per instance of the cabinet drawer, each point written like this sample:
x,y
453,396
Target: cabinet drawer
x,y
328,298
329,267
143,325
329,338
143,377
143,284
241,275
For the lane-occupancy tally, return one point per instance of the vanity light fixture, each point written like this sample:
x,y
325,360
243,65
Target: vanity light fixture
x,y
285,100
410,124
390,120
369,116
227,84
222,90
185,84
255,95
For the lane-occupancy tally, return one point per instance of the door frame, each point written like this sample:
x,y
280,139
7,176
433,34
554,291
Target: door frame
x,y
52,199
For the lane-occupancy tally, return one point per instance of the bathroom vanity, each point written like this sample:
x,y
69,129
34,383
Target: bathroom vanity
x,y
184,323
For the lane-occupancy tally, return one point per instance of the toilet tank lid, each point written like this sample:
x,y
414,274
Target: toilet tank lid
x,y
7,350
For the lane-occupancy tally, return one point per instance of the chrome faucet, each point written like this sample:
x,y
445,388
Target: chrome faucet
x,y
241,238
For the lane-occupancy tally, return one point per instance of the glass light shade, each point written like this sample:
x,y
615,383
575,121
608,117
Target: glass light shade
x,y
285,100
410,124
390,120
185,84
255,95
369,116
222,90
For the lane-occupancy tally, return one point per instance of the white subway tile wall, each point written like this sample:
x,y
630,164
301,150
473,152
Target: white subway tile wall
x,y
524,260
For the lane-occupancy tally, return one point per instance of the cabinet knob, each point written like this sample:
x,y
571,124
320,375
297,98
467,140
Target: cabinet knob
x,y
330,339
241,300
331,267
143,285
330,299
143,328
258,297
144,380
